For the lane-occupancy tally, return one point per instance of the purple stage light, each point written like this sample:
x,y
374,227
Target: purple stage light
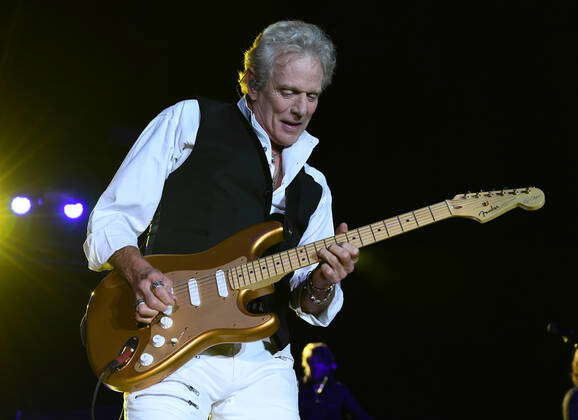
x,y
20,205
73,211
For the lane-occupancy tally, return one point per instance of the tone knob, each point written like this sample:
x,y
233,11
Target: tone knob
x,y
146,359
158,340
169,310
166,322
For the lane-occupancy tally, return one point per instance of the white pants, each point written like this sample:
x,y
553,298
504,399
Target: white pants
x,y
252,384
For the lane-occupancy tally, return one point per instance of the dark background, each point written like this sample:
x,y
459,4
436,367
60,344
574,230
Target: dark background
x,y
430,99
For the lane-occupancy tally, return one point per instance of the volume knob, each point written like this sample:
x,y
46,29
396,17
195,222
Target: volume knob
x,y
146,359
166,322
158,340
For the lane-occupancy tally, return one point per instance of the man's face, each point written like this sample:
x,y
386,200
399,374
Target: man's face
x,y
320,366
285,105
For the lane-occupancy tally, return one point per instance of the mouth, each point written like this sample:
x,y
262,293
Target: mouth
x,y
291,125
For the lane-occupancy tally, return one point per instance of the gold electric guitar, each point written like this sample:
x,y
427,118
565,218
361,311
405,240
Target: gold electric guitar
x,y
213,289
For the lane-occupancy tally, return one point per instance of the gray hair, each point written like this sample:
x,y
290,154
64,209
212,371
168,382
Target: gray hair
x,y
285,37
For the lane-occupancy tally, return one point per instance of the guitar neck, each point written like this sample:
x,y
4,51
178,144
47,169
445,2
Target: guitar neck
x,y
282,263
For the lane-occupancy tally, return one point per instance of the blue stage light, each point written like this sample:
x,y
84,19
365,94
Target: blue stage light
x,y
73,211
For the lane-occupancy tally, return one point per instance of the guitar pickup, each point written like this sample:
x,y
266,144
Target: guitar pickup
x,y
194,292
221,283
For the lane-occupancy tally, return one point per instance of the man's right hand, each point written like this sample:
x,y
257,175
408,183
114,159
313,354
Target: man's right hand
x,y
153,290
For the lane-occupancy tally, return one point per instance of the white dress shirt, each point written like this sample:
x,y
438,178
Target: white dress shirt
x,y
127,206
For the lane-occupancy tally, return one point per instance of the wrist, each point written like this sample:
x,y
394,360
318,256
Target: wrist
x,y
315,294
130,263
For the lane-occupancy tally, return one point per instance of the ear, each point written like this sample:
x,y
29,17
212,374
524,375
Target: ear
x,y
250,79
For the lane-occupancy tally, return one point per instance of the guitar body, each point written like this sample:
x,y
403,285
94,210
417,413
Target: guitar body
x,y
197,323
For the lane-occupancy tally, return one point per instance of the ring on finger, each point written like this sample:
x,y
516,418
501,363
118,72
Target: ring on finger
x,y
156,284
138,302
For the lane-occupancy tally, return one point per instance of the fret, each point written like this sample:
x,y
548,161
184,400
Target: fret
x,y
319,245
294,258
379,231
286,261
386,229
364,236
303,256
263,268
407,222
353,237
255,271
239,276
246,275
231,280
329,241
432,215
268,262
423,216
393,226
278,263
311,250
342,237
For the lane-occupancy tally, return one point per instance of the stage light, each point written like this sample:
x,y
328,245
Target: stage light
x,y
73,211
20,205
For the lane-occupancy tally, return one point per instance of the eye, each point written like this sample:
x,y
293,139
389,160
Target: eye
x,y
286,93
312,96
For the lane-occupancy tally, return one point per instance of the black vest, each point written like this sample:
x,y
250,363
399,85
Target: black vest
x,y
223,187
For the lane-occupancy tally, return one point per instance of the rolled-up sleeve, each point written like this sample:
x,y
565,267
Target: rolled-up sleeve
x,y
320,227
128,204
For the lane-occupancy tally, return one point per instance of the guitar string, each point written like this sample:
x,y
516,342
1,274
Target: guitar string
x,y
211,276
182,285
394,224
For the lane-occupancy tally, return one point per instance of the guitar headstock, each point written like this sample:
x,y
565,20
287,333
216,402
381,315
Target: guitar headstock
x,y
485,206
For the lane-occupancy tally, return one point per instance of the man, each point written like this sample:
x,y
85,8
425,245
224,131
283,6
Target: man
x,y
209,170
321,396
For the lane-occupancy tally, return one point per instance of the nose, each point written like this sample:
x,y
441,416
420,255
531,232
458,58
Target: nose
x,y
299,106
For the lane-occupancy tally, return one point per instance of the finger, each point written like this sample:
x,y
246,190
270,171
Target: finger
x,y
342,228
331,256
353,251
154,303
163,295
144,320
169,287
328,257
143,313
329,273
344,253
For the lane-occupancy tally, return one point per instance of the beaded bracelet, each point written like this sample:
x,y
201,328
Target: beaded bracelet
x,y
311,289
